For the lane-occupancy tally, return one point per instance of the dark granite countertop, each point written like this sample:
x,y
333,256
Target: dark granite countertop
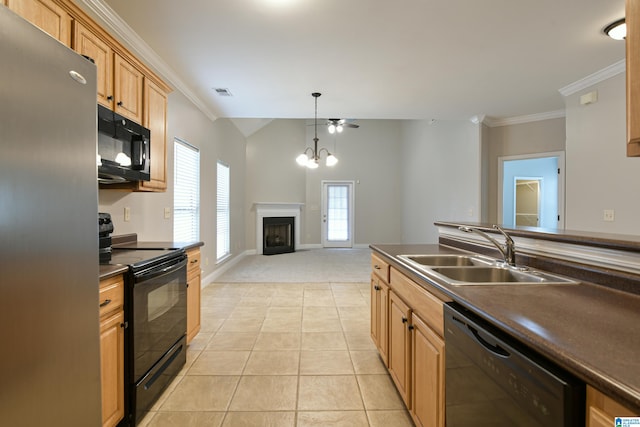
x,y
109,270
130,241
588,329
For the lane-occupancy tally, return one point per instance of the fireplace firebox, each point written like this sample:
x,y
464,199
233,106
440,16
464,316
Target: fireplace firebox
x,y
278,235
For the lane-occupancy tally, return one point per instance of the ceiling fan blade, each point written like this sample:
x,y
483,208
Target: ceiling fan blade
x,y
350,125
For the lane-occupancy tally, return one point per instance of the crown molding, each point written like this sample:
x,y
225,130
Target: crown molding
x,y
592,79
119,28
516,120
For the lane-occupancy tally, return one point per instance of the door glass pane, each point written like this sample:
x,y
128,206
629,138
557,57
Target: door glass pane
x,y
337,212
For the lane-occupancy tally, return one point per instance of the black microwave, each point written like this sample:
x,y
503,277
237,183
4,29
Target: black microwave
x,y
124,149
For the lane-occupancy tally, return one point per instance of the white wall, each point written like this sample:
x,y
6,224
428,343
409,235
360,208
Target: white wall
x,y
599,175
216,140
441,176
369,155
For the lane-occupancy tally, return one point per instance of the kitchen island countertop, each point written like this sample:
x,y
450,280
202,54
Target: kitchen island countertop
x,y
590,330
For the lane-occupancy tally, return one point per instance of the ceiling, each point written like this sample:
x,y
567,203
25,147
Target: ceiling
x,y
373,59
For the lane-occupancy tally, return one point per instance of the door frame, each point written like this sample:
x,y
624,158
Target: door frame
x,y
561,181
323,223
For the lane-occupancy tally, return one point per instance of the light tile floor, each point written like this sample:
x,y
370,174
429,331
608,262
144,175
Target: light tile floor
x,y
282,354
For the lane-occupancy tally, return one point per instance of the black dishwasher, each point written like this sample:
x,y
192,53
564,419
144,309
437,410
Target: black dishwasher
x,y
493,380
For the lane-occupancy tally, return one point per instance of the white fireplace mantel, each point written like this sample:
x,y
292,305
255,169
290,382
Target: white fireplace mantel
x,y
271,209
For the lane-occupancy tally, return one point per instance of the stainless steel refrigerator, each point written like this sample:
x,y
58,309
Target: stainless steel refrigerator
x,y
49,330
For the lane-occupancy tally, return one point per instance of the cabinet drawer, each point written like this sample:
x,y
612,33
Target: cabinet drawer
x,y
426,305
380,267
111,295
194,260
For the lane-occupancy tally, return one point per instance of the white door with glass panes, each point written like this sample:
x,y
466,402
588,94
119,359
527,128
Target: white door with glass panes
x,y
337,214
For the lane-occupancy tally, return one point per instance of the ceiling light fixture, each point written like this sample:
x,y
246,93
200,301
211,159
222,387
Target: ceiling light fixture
x,y
616,30
311,156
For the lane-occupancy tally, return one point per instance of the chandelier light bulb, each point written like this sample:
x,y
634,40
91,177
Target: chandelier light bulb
x,y
302,159
331,160
339,128
332,128
312,164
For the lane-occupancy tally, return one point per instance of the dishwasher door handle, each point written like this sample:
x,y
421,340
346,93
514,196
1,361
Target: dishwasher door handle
x,y
493,348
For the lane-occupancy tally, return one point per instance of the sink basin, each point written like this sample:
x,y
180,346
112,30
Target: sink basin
x,y
496,275
446,260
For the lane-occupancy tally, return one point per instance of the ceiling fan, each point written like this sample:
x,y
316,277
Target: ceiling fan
x,y
338,125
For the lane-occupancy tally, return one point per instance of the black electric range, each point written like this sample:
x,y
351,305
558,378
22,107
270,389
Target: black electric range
x,y
141,259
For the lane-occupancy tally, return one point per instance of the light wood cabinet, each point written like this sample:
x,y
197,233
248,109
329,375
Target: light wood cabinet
x,y
415,345
127,88
193,293
87,43
155,118
400,346
125,84
632,19
379,314
46,15
112,326
601,409
427,365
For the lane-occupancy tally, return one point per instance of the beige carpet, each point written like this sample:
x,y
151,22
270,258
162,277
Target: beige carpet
x,y
313,265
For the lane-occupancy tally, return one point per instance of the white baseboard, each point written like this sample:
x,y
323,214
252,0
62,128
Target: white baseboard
x,y
224,267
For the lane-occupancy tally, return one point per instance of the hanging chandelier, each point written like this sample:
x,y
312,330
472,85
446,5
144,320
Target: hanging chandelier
x,y
311,156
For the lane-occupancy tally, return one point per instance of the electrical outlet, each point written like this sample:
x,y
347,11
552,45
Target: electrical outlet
x,y
167,213
609,215
127,214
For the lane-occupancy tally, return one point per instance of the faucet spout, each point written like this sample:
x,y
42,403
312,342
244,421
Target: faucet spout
x,y
508,249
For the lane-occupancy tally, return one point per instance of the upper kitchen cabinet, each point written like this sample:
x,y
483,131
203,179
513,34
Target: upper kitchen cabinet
x,y
89,44
46,15
155,119
120,83
632,19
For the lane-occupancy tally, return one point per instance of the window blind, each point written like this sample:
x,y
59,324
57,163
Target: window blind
x,y
186,194
223,215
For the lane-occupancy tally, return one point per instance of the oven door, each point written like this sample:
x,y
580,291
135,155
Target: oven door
x,y
159,314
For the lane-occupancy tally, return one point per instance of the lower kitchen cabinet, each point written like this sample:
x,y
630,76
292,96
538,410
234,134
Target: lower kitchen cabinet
x,y
379,313
193,293
400,346
112,349
412,318
427,365
601,409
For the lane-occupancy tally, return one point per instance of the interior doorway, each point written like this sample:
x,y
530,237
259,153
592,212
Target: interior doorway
x,y
337,214
531,190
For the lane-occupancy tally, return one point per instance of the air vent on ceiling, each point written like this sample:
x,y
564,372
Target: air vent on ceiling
x,y
222,91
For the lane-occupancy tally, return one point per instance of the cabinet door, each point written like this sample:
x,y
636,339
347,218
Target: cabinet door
x,y
400,346
46,15
112,368
193,306
155,118
127,85
428,375
379,316
89,44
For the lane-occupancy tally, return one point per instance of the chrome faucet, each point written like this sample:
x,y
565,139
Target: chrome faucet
x,y
508,250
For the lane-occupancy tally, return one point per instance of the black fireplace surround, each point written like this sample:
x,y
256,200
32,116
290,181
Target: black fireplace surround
x,y
278,235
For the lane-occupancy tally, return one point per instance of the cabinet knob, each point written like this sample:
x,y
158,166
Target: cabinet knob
x,y
105,302
119,103
377,288
411,327
124,325
405,320
377,267
110,98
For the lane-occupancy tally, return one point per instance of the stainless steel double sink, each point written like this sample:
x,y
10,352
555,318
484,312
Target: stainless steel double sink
x,y
464,270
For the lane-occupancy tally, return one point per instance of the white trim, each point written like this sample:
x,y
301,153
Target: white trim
x,y
561,180
268,209
516,120
589,255
325,243
222,269
117,26
592,79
